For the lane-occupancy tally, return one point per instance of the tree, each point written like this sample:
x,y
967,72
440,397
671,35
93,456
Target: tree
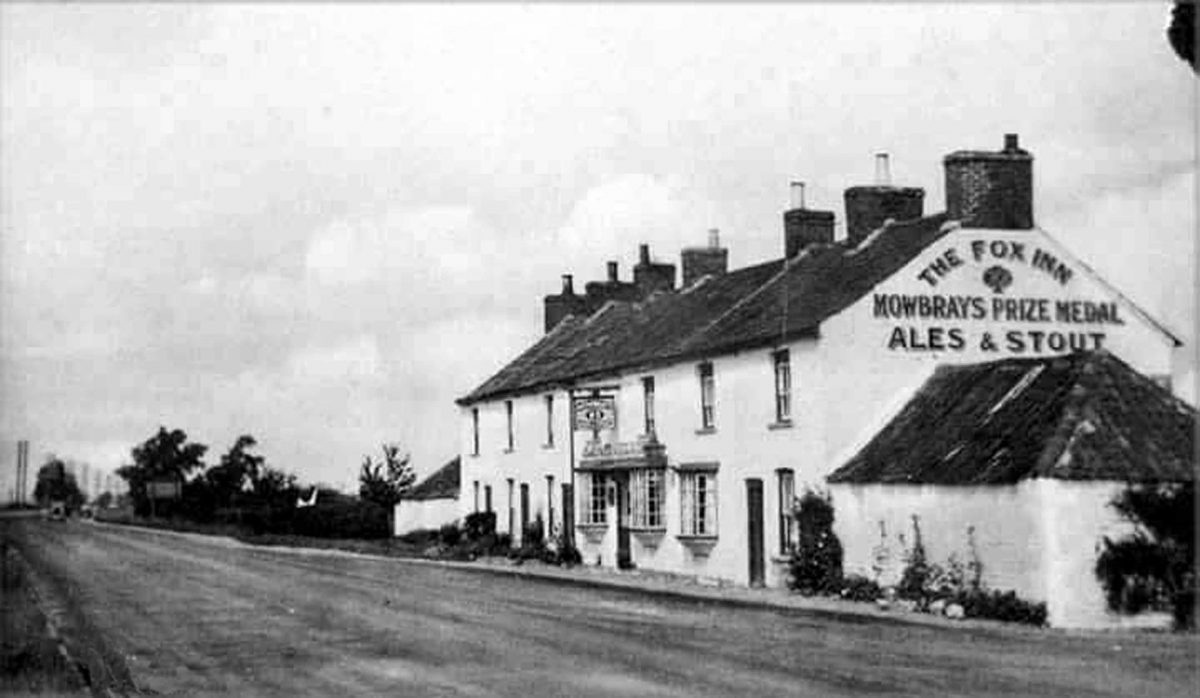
x,y
1155,566
385,481
164,455
236,470
55,483
1181,32
273,486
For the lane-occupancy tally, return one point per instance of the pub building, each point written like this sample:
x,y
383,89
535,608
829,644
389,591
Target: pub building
x,y
669,427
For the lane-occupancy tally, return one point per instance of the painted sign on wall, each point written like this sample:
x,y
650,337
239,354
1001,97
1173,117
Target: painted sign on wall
x,y
995,320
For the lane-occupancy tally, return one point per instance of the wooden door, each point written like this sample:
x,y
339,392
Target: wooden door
x,y
754,515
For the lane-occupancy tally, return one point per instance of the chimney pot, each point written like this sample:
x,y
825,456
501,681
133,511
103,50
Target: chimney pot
x,y
568,288
714,238
1011,142
612,271
883,172
797,194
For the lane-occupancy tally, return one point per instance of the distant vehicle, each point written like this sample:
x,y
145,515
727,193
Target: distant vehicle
x,y
58,511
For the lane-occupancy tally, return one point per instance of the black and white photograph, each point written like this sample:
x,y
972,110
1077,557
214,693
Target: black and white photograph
x,y
601,349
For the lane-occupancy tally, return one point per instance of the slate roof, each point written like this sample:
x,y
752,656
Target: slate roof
x,y
755,306
1085,416
443,483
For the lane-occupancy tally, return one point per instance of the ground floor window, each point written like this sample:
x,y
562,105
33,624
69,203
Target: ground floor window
x,y
646,498
592,506
698,503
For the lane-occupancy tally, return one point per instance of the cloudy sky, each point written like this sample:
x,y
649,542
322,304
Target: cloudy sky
x,y
320,225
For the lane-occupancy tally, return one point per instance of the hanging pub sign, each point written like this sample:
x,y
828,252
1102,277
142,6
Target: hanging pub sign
x,y
594,413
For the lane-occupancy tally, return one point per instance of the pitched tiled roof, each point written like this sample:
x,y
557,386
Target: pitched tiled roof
x,y
443,483
1086,416
757,305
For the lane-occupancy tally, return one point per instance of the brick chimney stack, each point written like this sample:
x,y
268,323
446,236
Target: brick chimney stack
x,y
558,307
991,189
651,277
699,262
802,226
869,207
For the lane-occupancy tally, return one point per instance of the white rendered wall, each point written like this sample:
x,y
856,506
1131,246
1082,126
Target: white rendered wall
x,y
1006,519
414,515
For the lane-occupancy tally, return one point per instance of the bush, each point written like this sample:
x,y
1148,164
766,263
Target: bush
x,y
449,535
918,573
421,537
479,525
816,562
351,518
1155,567
859,588
1000,605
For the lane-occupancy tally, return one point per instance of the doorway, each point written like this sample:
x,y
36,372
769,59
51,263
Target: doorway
x,y
754,516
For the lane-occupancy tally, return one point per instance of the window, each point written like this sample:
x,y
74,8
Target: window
x,y
648,403
698,497
487,498
549,420
477,496
508,411
646,498
783,386
707,396
787,523
475,431
524,508
594,501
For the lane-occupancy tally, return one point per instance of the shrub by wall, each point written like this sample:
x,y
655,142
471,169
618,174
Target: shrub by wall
x,y
816,562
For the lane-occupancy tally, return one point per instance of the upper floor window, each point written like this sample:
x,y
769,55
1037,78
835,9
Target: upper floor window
x,y
549,420
508,411
787,522
707,395
475,431
783,385
648,403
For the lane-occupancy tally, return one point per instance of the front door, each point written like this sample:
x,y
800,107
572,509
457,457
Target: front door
x,y
624,559
754,510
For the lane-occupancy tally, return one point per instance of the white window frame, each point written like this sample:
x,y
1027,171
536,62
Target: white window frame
x,y
786,482
782,362
593,502
647,498
508,410
648,404
698,503
708,395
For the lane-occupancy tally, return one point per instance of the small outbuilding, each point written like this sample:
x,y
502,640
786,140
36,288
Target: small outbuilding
x,y
1015,463
433,502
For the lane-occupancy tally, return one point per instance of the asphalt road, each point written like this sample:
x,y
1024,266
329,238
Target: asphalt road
x,y
191,616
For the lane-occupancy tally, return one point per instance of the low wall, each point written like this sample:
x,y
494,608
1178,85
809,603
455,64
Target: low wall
x,y
413,515
1006,523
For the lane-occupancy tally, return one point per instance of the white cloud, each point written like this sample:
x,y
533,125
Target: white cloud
x,y
354,361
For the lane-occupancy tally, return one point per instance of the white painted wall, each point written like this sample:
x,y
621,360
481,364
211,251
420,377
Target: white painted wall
x,y
414,515
1006,520
1039,538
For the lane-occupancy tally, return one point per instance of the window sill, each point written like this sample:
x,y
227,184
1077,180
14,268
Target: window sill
x,y
785,424
509,450
702,431
700,546
648,537
593,532
547,447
